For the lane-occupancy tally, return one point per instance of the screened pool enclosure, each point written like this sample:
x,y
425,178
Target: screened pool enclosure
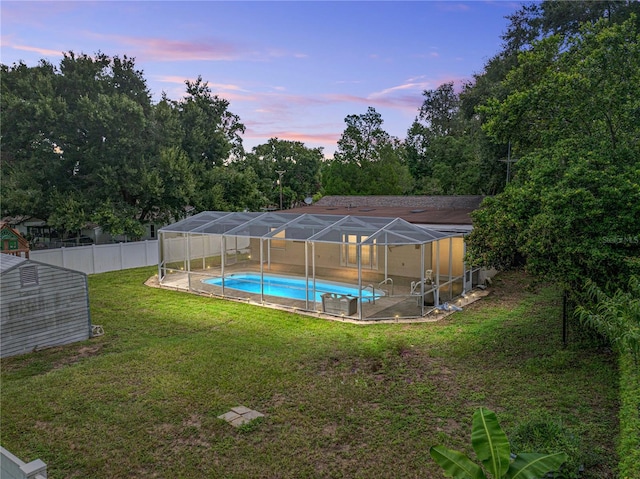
x,y
364,268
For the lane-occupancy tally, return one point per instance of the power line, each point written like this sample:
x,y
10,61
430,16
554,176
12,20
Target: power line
x,y
280,173
508,161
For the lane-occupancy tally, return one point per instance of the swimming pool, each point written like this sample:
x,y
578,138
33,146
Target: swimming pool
x,y
290,287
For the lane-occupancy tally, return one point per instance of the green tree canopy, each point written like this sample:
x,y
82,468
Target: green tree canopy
x,y
82,142
298,165
368,161
573,211
73,137
447,152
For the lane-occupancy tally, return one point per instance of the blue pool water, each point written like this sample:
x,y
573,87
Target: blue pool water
x,y
288,287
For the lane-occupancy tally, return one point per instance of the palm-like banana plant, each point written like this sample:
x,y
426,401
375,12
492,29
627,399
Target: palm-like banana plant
x,y
492,448
616,317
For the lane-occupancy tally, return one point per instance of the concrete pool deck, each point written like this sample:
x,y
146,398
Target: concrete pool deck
x,y
180,282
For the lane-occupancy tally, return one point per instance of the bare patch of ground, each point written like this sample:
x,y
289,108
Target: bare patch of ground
x,y
82,353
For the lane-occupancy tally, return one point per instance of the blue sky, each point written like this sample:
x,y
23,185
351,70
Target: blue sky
x,y
290,69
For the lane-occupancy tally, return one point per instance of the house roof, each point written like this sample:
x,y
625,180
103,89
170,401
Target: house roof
x,y
23,219
424,210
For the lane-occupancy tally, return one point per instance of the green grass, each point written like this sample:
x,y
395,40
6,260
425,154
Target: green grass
x,y
341,400
629,444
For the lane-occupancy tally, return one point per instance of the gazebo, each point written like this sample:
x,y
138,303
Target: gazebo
x,y
357,267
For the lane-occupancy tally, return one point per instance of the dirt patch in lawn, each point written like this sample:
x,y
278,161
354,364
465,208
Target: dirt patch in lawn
x,y
80,354
50,359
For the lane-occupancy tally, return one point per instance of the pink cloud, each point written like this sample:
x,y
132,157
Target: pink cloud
x,y
298,136
419,85
233,97
344,98
161,49
172,79
271,103
164,49
410,86
35,14
182,80
5,43
311,140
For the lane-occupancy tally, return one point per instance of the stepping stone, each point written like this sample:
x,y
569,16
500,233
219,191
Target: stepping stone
x,y
241,410
240,415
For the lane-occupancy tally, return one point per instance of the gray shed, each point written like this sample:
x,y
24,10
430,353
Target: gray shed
x,y
41,305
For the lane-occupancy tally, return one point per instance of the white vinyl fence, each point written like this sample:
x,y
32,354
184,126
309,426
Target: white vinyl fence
x,y
101,258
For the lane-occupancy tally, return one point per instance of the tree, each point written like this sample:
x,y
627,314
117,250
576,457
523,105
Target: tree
x,y
362,139
31,118
211,133
368,161
532,23
615,316
439,110
210,139
85,140
573,113
535,21
448,153
68,214
167,185
300,167
227,189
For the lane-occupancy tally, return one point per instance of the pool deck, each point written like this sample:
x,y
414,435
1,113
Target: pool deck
x,y
387,309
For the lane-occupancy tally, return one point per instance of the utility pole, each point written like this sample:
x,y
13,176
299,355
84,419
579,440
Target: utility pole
x,y
508,161
280,173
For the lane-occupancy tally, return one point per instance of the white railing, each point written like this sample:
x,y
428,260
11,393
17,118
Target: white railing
x,y
385,281
94,259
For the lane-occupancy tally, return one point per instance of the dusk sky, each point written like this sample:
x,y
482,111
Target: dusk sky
x,y
292,70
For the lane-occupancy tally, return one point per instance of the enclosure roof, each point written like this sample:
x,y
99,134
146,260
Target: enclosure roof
x,y
308,227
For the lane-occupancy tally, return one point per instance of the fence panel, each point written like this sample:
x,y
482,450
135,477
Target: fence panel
x,y
101,258
107,258
78,258
48,256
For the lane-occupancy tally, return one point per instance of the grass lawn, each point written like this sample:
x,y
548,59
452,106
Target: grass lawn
x,y
340,400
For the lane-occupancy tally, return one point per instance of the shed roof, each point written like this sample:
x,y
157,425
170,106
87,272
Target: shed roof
x,y
307,227
9,261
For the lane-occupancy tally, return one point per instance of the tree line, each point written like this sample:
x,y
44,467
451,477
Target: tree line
x,y
83,142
